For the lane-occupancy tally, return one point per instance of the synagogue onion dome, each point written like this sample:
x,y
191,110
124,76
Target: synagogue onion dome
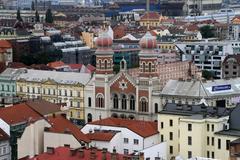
x,y
148,41
104,40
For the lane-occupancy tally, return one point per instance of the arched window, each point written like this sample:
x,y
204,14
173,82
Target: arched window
x,y
150,67
89,117
156,107
100,64
100,101
144,67
124,102
132,102
89,102
115,101
105,64
143,105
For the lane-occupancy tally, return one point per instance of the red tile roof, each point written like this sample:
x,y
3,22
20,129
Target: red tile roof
x,y
56,64
65,153
5,44
3,135
62,125
142,128
151,16
2,50
91,68
101,136
19,113
16,65
235,56
75,66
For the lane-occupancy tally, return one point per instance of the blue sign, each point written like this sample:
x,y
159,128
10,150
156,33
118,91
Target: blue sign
x,y
221,87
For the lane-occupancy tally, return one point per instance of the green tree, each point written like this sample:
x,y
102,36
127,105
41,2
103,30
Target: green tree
x,y
33,6
207,74
207,31
49,16
37,16
19,18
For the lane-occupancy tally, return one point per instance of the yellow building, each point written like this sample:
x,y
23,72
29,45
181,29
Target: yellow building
x,y
88,38
56,87
151,19
196,131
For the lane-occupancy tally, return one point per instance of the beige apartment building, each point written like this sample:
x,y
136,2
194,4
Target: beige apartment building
x,y
56,87
197,131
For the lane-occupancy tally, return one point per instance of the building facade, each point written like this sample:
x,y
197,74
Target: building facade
x,y
122,95
5,148
55,87
231,66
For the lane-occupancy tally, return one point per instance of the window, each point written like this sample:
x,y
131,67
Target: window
x,y
89,102
189,140
150,67
162,125
234,73
3,88
48,91
125,140
66,145
213,155
115,101
143,105
170,135
54,91
227,144
162,138
189,154
144,67
208,154
33,89
13,88
171,149
132,103
124,102
4,150
125,151
8,88
207,127
71,93
170,122
65,92
105,64
28,90
135,141
21,89
100,102
212,127
78,94
156,107
189,127
78,114
78,104
212,141
208,140
219,143
39,90
71,103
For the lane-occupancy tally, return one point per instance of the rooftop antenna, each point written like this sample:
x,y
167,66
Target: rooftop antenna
x,y
148,9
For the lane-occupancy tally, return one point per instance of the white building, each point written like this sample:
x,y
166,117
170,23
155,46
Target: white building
x,y
207,55
126,136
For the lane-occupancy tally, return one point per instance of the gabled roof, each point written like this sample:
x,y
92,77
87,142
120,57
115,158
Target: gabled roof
x,y
3,135
43,107
235,56
151,16
62,125
101,136
19,113
142,128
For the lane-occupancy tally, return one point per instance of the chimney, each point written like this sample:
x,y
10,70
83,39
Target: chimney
x,y
104,154
93,155
50,150
81,153
114,154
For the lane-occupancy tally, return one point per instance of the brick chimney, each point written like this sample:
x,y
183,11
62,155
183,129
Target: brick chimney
x,y
81,153
104,154
93,154
114,154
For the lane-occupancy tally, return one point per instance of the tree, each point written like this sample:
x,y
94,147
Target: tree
x,y
207,31
19,18
33,6
207,74
49,16
37,16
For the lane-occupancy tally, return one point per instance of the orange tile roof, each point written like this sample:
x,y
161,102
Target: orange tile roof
x,y
61,125
5,44
151,16
101,136
19,113
2,50
75,66
56,64
142,128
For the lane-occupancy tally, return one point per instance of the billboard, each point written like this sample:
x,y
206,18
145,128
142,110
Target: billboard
x,y
221,88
